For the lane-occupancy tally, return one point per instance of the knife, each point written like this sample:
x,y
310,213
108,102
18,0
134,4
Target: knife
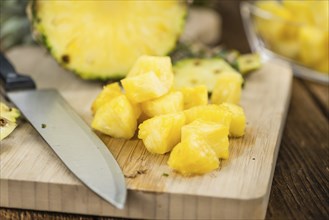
x,y
67,134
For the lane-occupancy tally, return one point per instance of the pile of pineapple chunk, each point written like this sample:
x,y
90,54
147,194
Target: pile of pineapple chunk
x,y
299,30
182,121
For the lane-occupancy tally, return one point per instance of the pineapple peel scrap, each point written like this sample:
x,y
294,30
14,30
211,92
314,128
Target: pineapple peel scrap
x,y
8,119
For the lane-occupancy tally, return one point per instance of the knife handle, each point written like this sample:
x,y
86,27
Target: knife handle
x,y
12,80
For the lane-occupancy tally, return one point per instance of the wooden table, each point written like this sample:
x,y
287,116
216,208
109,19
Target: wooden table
x,y
300,188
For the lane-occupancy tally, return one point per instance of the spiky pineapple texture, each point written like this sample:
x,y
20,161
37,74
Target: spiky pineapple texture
x,y
15,28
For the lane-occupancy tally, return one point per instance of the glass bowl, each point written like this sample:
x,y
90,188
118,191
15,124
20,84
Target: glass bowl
x,y
277,35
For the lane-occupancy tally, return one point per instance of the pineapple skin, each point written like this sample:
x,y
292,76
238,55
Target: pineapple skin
x,y
161,133
42,38
8,118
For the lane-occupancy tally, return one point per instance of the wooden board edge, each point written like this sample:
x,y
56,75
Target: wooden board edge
x,y
139,204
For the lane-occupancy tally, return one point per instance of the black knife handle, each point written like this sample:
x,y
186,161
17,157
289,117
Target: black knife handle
x,y
12,80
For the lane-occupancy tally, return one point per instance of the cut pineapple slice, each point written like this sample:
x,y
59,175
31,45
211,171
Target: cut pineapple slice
x,y
193,72
161,66
169,103
238,122
161,133
212,113
193,156
8,117
214,134
143,87
194,96
102,39
116,118
109,92
227,89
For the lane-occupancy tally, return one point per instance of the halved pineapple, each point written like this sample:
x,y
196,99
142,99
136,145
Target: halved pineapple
x,y
238,122
227,88
214,134
212,113
193,156
143,87
194,96
116,118
108,92
170,103
8,117
161,133
102,39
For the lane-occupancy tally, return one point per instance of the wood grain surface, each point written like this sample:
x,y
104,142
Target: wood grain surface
x,y
32,177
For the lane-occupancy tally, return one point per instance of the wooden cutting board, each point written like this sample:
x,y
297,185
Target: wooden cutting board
x,y
32,177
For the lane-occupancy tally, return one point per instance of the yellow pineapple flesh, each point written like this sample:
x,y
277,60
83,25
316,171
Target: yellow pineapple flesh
x,y
211,112
194,96
116,118
161,133
227,88
102,39
193,157
108,92
214,134
161,66
143,87
238,122
170,103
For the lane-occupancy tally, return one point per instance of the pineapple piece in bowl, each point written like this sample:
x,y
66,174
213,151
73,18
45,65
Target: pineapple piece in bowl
x,y
161,133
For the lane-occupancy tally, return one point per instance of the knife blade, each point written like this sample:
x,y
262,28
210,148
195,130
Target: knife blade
x,y
80,149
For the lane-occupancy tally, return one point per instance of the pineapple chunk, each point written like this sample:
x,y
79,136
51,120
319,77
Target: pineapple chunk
x,y
109,92
210,112
193,156
143,87
116,118
313,45
248,63
214,134
194,96
161,66
161,133
238,122
227,89
170,103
